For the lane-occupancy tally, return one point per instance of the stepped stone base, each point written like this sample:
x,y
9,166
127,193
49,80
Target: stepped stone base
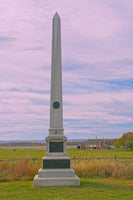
x,y
56,177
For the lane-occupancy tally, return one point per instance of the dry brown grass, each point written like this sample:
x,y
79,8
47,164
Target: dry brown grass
x,y
22,170
26,169
104,168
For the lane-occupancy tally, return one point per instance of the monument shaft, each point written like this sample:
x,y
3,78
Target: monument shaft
x,y
56,113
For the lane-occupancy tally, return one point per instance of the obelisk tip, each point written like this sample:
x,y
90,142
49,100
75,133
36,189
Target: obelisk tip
x,y
56,15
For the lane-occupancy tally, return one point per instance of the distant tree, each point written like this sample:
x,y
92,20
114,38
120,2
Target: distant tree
x,y
110,141
118,143
126,140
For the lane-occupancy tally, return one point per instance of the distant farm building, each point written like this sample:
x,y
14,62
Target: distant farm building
x,y
93,144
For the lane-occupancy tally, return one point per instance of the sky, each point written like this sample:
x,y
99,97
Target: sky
x,y
97,64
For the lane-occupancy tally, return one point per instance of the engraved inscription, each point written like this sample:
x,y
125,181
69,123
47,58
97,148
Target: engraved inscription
x,y
56,164
56,146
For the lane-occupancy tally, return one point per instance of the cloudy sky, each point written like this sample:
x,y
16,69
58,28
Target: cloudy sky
x,y
97,62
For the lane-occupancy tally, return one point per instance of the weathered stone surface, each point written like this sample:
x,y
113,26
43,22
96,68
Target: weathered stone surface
x,y
56,173
61,181
56,114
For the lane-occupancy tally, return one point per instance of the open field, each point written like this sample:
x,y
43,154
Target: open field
x,y
21,153
24,147
33,147
78,153
93,175
90,189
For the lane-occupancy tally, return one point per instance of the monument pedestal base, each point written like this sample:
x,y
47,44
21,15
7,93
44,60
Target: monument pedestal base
x,y
56,171
56,177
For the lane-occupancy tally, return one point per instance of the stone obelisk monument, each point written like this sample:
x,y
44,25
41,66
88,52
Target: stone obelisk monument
x,y
56,166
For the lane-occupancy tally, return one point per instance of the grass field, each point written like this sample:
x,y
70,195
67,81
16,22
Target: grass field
x,y
79,153
20,153
90,189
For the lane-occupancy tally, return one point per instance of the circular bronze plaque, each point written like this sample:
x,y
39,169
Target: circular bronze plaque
x,y
56,104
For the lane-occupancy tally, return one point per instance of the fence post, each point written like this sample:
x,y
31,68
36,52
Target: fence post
x,y
34,159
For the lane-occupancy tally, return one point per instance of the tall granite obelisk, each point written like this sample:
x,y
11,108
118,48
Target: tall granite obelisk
x,y
56,166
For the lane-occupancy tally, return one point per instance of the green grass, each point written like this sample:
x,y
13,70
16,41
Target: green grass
x,y
93,153
80,153
90,189
20,153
